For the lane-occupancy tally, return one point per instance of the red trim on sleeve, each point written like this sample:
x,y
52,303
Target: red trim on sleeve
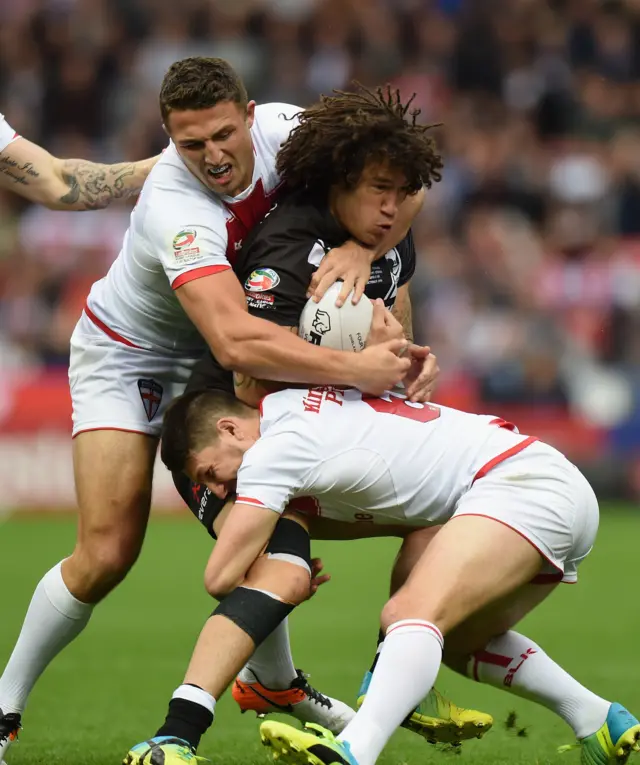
x,y
504,456
197,273
503,424
249,501
101,325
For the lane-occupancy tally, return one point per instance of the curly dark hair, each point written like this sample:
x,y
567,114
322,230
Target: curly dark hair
x,y
343,132
199,82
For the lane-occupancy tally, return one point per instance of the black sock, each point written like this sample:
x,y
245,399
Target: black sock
x,y
381,637
186,720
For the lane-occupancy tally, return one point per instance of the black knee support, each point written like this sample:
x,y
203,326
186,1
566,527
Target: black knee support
x,y
255,612
291,539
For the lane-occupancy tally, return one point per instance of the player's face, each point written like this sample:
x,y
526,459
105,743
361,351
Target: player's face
x,y
370,209
215,144
216,466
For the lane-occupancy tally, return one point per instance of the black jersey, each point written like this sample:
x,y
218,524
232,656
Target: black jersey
x,y
275,265
280,254
277,261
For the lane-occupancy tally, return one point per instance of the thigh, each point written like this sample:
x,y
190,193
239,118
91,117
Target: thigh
x,y
495,619
470,563
113,474
119,387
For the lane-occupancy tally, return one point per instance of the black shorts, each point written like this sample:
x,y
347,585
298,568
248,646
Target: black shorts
x,y
207,375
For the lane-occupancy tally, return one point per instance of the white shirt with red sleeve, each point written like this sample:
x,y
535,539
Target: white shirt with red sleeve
x,y
179,231
7,133
350,457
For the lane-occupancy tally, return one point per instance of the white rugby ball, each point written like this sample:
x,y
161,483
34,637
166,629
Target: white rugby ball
x,y
343,329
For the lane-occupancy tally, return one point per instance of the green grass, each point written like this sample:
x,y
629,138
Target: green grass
x,y
109,689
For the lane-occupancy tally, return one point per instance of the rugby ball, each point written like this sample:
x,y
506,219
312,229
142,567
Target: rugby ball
x,y
343,329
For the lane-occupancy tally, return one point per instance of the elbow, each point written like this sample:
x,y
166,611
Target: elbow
x,y
231,357
219,583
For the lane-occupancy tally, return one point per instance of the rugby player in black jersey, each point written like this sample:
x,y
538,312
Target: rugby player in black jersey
x,y
346,169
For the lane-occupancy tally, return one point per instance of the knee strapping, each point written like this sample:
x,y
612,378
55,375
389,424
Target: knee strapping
x,y
256,612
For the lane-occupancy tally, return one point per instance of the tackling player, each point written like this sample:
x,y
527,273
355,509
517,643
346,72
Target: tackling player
x,y
379,155
518,519
65,184
170,291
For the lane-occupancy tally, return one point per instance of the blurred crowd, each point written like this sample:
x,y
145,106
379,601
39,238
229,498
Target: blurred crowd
x,y
528,284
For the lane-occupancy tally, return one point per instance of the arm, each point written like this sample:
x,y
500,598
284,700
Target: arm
x,y
216,305
251,390
241,540
402,311
68,184
352,261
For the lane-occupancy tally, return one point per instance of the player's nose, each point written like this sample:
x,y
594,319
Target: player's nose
x,y
213,154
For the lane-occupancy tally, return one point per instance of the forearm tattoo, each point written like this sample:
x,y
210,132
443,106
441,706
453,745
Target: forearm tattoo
x,y
402,312
18,172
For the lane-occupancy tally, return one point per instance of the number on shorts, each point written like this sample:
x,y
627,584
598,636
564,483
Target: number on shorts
x,y
403,408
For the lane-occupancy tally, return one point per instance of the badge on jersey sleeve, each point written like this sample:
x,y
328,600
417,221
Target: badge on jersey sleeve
x,y
184,250
151,395
262,280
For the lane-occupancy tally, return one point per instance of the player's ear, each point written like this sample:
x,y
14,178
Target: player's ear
x,y
251,113
228,426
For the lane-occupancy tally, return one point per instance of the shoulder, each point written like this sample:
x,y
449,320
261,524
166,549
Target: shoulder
x,y
274,114
172,198
273,124
7,133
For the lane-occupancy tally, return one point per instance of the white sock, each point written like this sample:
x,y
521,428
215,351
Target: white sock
x,y
405,673
53,620
195,694
516,664
272,662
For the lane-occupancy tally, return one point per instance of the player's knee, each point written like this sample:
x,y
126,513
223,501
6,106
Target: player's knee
x,y
407,605
101,563
293,584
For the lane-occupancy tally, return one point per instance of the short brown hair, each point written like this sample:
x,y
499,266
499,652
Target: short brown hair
x,y
342,133
199,83
190,421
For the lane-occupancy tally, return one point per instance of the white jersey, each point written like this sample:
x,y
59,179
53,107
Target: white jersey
x,y
180,230
7,133
352,458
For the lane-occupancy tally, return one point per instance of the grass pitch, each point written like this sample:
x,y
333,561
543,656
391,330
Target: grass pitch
x,y
109,690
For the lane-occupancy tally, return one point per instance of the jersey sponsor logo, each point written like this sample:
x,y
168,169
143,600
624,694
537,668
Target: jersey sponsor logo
x,y
262,280
184,238
259,299
151,395
318,395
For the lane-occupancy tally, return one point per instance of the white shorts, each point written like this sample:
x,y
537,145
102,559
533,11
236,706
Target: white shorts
x,y
544,498
115,386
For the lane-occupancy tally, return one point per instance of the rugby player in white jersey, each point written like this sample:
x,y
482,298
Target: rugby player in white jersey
x,y
64,184
518,519
171,292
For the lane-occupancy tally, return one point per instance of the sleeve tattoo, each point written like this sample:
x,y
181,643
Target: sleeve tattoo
x,y
93,186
